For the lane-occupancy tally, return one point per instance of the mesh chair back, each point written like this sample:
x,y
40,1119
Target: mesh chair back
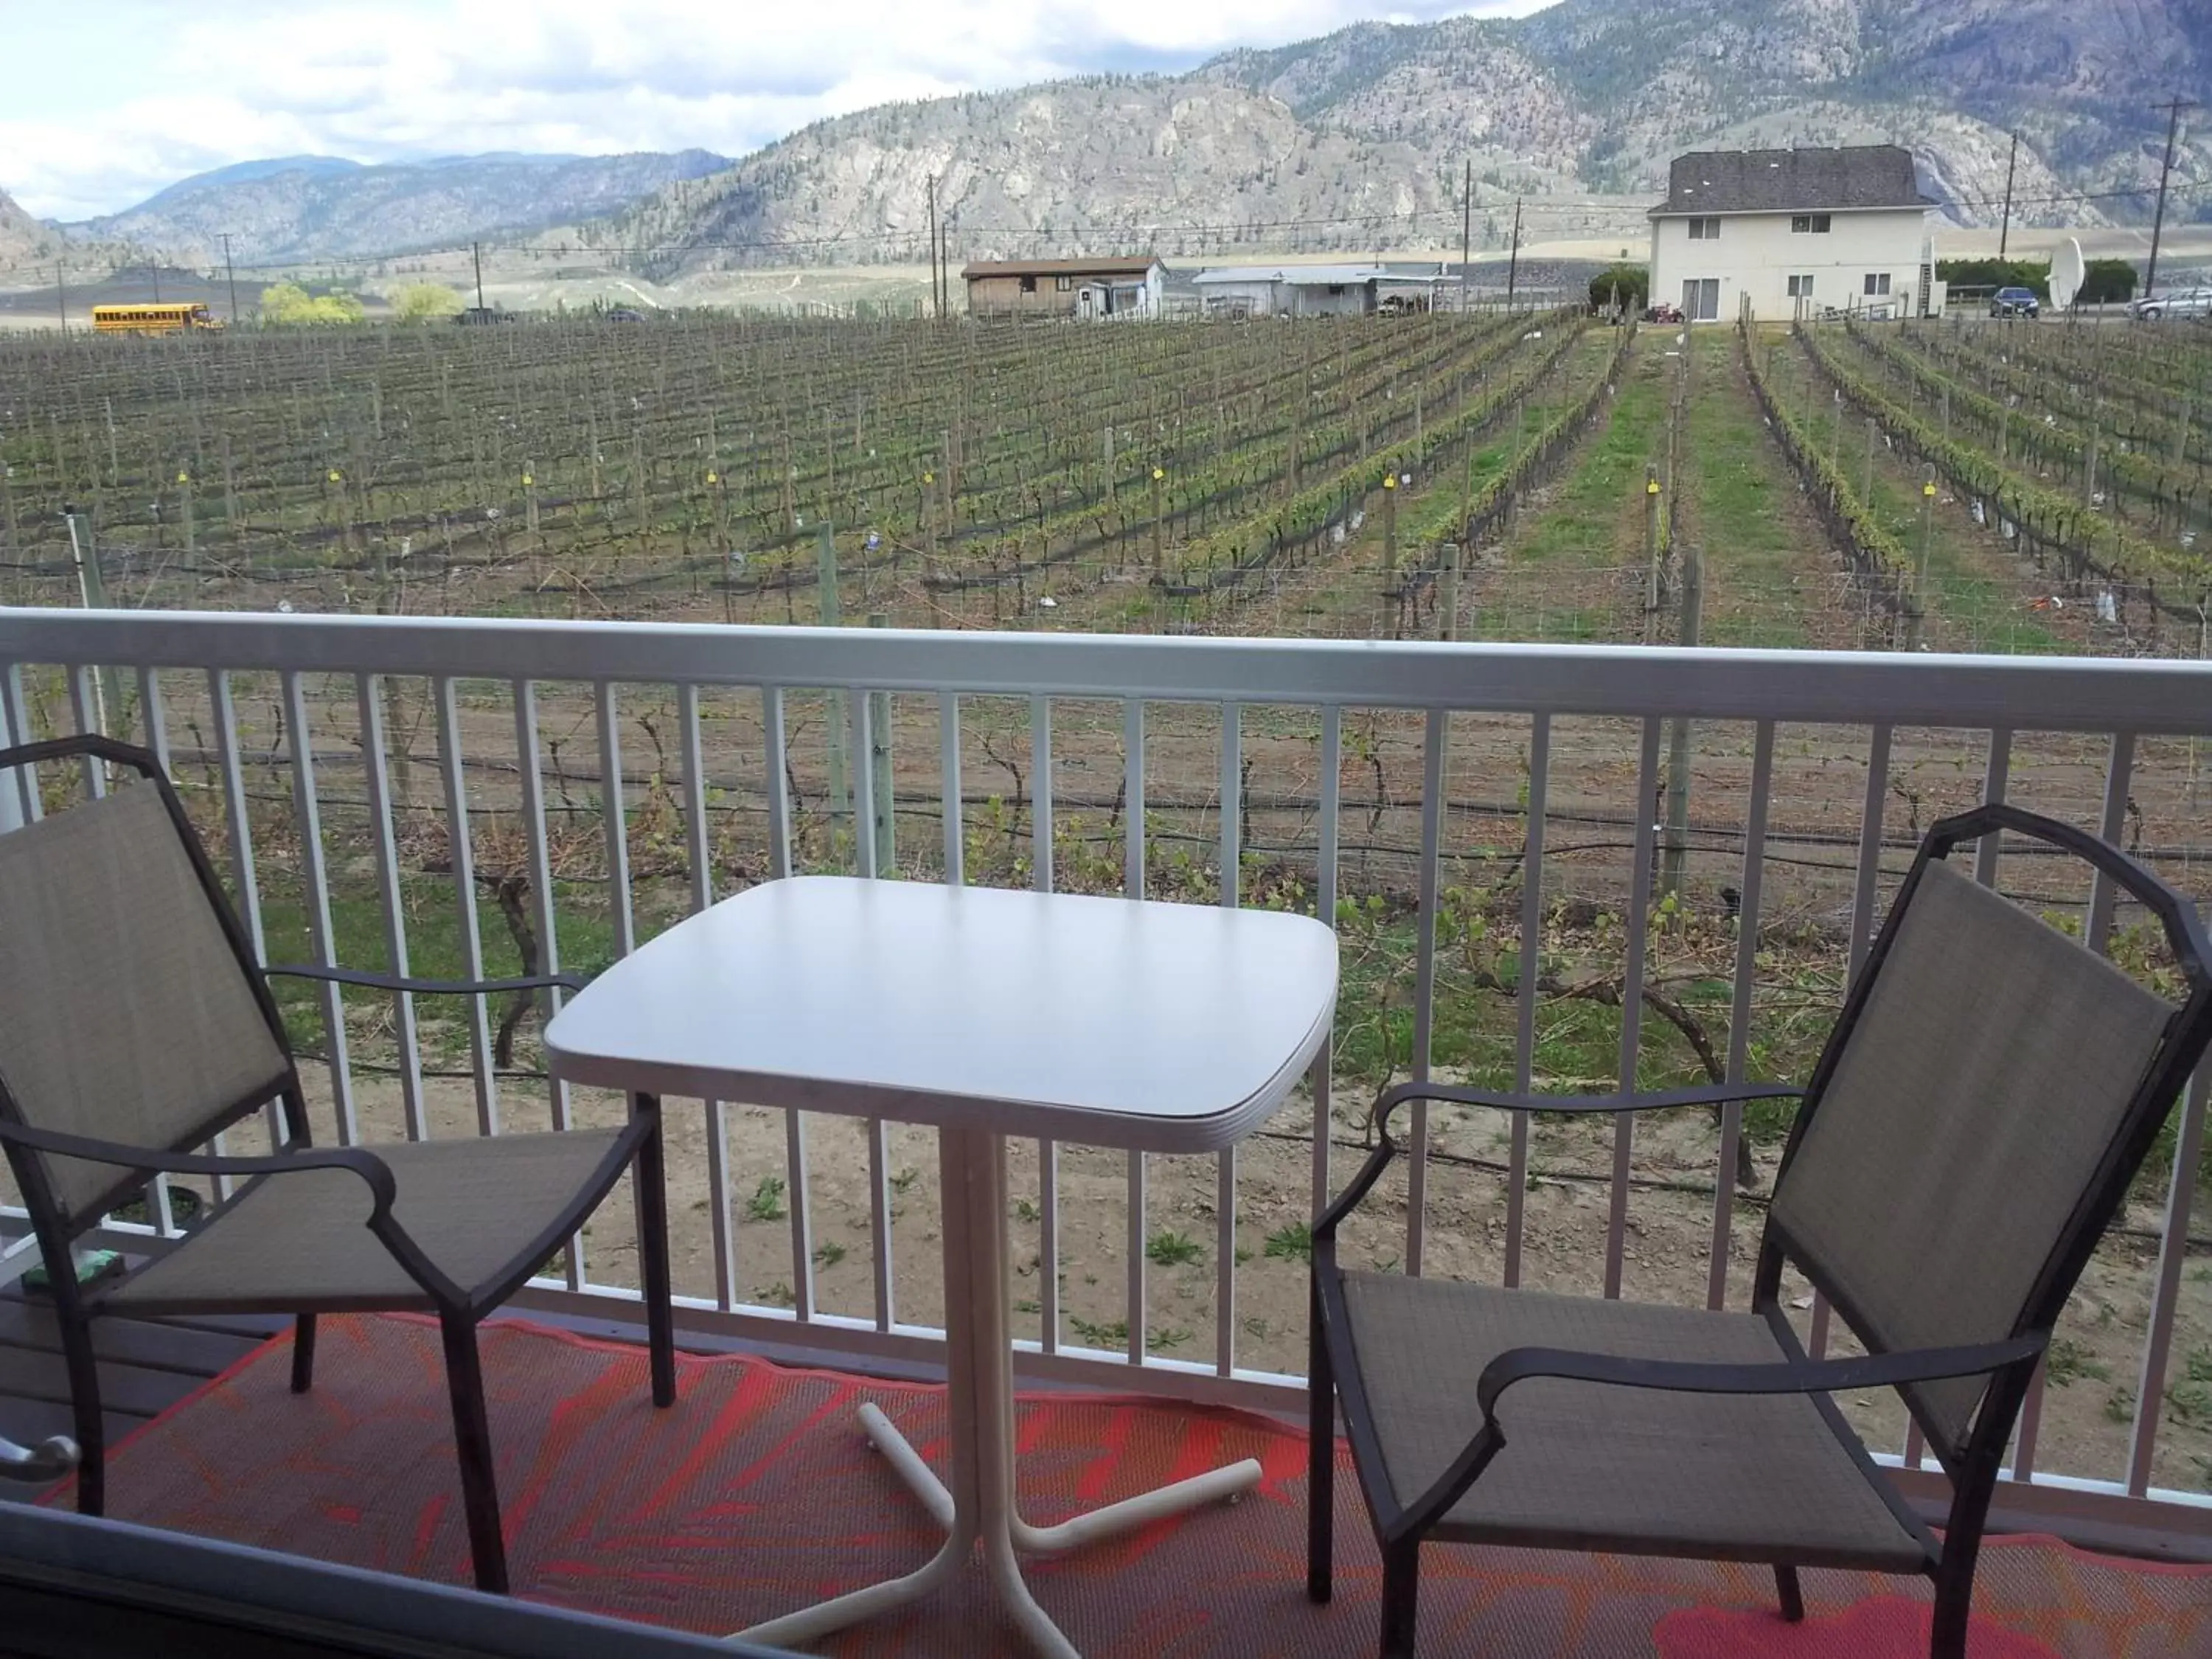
x,y
124,1014
1966,1118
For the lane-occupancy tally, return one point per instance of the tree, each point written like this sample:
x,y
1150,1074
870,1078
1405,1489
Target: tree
x,y
287,305
1628,286
425,302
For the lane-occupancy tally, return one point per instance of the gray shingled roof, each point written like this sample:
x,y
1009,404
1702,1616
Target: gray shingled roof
x,y
1792,180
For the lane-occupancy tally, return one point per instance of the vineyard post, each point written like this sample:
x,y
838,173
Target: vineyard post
x,y
1159,562
229,493
184,511
1866,492
1916,615
7,508
832,616
114,461
1947,411
1448,618
2181,430
1389,627
2089,461
529,497
1108,462
1651,554
884,828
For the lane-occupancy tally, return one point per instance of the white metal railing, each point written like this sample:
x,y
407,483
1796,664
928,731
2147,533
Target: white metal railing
x,y
318,675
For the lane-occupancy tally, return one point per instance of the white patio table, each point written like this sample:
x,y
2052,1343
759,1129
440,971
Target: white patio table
x,y
1163,1028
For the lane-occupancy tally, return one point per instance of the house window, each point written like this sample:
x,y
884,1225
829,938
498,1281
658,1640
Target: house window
x,y
1813,224
1063,283
1029,284
1801,287
1336,291
1877,282
1705,230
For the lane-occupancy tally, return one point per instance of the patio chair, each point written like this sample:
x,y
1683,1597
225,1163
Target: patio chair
x,y
1972,1123
135,1024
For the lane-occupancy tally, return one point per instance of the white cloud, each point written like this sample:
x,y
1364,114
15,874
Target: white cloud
x,y
234,80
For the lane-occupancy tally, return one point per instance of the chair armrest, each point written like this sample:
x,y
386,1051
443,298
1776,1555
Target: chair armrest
x,y
1658,1100
425,987
1786,1377
366,1164
49,1460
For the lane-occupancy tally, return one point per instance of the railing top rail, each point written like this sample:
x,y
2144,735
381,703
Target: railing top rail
x,y
2088,694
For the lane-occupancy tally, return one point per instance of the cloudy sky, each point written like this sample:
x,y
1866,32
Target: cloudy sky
x,y
111,100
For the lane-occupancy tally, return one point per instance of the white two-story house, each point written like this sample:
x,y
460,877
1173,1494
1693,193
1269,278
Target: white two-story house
x,y
1795,232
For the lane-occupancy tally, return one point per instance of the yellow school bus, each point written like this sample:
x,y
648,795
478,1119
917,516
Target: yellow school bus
x,y
152,320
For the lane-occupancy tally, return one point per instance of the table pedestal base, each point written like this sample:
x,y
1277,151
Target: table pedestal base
x,y
977,1504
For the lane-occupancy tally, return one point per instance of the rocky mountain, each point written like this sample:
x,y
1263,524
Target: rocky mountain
x,y
308,206
1359,137
24,241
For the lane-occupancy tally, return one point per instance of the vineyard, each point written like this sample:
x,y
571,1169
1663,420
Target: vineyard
x,y
1528,477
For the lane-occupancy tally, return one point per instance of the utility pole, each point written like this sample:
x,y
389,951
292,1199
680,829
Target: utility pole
x,y
61,296
936,297
1513,261
476,252
2173,106
1466,232
154,266
2004,231
230,275
1916,615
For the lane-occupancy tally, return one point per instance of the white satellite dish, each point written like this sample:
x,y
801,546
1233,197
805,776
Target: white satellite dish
x,y
2067,272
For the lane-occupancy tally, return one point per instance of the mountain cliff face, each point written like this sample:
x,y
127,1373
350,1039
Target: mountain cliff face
x,y
24,241
1360,137
312,205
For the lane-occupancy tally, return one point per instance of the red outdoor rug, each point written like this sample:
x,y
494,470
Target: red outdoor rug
x,y
756,1494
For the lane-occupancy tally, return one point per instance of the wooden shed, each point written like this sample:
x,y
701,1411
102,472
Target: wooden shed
x,y
1117,287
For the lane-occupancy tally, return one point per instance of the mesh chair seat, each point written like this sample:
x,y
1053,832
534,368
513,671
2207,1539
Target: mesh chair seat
x,y
301,1241
1590,1466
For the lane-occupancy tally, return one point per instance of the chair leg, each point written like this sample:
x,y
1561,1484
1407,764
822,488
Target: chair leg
x,y
303,1352
1792,1598
1401,1586
472,1437
84,1402
1321,1456
649,1181
1954,1598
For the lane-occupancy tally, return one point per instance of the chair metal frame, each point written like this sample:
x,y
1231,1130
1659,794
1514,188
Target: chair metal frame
x,y
460,1308
1972,1463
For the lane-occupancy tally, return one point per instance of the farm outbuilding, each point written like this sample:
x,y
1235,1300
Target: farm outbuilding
x,y
1291,290
1120,287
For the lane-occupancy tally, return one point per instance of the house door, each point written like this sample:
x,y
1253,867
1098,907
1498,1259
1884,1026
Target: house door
x,y
1701,299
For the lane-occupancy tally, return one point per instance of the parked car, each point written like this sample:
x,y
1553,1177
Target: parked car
x,y
2175,303
480,316
2014,302
625,314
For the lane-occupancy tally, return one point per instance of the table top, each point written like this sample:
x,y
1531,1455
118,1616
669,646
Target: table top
x,y
1171,1028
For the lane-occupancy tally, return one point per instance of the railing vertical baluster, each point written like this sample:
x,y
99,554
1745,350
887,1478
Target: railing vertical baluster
x,y
2165,1294
223,712
861,719
1632,1000
699,844
368,690
1132,887
460,843
1747,970
316,876
156,725
1040,878
776,785
1225,1181
1525,991
152,719
1424,988
1332,791
530,774
861,722
948,749
84,708
19,731
614,808
2119,771
1866,887
1996,777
